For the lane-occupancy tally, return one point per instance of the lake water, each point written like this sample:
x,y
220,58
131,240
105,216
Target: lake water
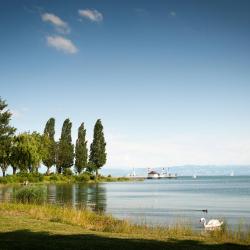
x,y
160,202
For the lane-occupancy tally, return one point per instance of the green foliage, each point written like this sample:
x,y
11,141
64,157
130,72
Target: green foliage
x,y
9,179
81,151
3,180
22,177
50,158
59,178
41,142
67,172
65,153
30,195
30,177
6,136
27,151
109,178
54,177
66,177
84,177
98,154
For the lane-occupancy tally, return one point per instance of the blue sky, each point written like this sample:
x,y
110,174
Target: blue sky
x,y
169,79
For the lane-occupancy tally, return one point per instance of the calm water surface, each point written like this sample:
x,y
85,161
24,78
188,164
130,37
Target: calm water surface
x,y
160,201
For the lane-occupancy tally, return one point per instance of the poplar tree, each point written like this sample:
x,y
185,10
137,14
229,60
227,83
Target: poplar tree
x,y
50,159
65,154
98,153
81,151
6,136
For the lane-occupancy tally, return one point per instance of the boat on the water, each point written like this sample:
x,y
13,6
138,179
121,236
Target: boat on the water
x,y
153,175
163,175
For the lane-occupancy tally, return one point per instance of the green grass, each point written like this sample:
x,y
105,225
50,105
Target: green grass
x,y
29,226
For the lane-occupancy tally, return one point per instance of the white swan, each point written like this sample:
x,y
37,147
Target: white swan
x,y
212,224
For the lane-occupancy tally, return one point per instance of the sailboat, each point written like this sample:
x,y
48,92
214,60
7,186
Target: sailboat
x,y
232,173
132,175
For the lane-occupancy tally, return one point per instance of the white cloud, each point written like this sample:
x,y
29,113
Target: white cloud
x,y
177,150
172,14
92,15
62,44
57,22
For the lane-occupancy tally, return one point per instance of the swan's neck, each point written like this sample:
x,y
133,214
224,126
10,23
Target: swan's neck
x,y
205,223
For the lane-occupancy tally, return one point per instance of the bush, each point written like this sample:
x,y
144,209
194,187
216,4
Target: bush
x,y
3,180
30,177
54,177
60,178
67,172
92,177
35,177
85,177
30,195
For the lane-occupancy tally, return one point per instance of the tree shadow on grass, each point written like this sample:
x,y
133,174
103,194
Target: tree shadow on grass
x,y
25,239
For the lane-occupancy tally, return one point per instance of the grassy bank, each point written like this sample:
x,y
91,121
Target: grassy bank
x,y
57,178
27,226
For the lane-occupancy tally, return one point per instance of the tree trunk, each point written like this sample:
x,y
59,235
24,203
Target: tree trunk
x,y
4,168
59,170
14,170
47,172
96,174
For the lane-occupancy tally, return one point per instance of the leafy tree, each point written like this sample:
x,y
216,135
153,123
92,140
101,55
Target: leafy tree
x,y
27,152
81,151
50,158
41,144
98,153
58,168
6,136
65,154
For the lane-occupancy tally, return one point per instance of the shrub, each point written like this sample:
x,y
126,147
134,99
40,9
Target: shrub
x,y
3,180
85,177
60,177
67,172
35,177
30,195
92,176
31,177
54,177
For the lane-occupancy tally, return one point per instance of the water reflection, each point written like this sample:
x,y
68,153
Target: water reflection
x,y
97,197
78,195
91,196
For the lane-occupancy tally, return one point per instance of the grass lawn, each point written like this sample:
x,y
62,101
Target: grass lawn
x,y
20,228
